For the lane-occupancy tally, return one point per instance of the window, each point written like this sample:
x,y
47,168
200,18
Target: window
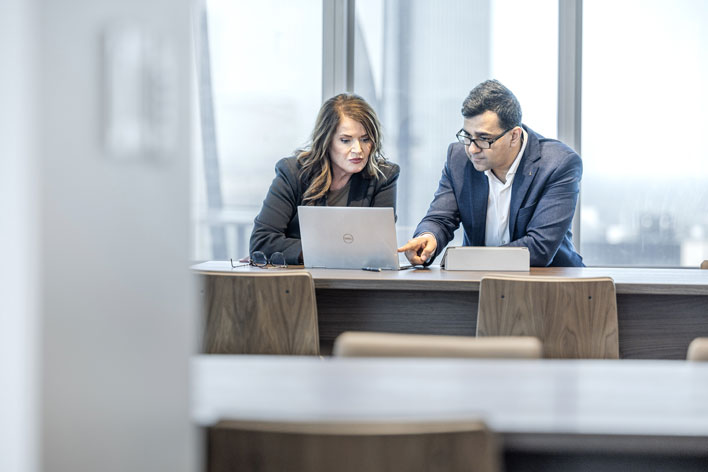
x,y
265,66
417,81
644,68
644,193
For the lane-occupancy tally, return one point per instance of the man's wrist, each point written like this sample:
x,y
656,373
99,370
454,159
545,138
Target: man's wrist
x,y
428,233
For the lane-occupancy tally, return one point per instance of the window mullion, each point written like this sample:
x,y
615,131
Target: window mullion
x,y
337,47
570,59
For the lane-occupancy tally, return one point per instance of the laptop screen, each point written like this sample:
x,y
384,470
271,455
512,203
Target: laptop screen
x,y
348,237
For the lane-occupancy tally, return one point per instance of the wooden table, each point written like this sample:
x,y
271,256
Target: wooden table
x,y
550,413
659,310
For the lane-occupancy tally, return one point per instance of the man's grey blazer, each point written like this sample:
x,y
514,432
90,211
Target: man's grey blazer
x,y
543,199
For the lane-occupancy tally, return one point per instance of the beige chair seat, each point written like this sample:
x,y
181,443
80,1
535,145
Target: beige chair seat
x,y
698,350
366,344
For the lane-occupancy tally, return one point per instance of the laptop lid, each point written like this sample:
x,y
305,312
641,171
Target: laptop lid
x,y
348,237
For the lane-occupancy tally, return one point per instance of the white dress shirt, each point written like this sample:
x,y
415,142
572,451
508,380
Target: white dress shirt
x,y
497,227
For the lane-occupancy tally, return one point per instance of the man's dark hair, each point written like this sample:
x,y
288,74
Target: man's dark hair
x,y
491,95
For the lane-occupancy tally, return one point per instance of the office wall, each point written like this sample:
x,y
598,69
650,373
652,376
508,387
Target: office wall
x,y
98,243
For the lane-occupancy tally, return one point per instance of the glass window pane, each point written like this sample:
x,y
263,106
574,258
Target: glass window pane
x,y
644,194
415,62
524,42
266,79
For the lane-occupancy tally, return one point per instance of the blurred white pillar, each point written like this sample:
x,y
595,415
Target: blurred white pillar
x,y
96,311
19,290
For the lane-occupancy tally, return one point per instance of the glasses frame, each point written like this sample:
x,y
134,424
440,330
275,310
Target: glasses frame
x,y
463,137
268,262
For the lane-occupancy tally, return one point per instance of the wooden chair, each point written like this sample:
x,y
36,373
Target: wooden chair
x,y
366,344
704,265
698,350
266,312
356,446
573,318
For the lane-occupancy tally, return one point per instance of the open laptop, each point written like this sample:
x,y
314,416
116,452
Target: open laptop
x,y
348,237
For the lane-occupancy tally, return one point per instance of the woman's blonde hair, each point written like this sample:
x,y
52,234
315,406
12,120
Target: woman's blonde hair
x,y
316,168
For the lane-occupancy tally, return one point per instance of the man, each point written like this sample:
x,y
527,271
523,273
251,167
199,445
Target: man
x,y
508,185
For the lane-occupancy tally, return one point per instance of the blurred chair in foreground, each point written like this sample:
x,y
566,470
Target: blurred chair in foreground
x,y
704,265
366,344
265,312
352,446
698,350
575,318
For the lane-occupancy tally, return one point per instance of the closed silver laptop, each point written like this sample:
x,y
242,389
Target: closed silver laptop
x,y
348,237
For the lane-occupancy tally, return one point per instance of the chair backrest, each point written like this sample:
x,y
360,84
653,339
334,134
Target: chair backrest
x,y
704,265
366,344
575,318
266,312
698,350
371,447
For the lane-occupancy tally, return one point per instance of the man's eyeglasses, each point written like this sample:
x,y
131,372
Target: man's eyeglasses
x,y
259,259
482,143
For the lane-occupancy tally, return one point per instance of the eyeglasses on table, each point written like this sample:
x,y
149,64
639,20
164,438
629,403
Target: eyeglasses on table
x,y
259,259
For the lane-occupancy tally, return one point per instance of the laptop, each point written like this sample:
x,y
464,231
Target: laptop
x,y
348,237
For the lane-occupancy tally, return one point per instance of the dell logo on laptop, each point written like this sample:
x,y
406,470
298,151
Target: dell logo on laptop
x,y
348,238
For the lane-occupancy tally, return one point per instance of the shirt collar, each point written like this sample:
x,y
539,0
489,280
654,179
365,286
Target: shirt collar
x,y
515,165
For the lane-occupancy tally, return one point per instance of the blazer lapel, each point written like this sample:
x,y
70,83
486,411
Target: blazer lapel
x,y
359,190
525,174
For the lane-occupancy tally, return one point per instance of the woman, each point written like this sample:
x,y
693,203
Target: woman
x,y
342,166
